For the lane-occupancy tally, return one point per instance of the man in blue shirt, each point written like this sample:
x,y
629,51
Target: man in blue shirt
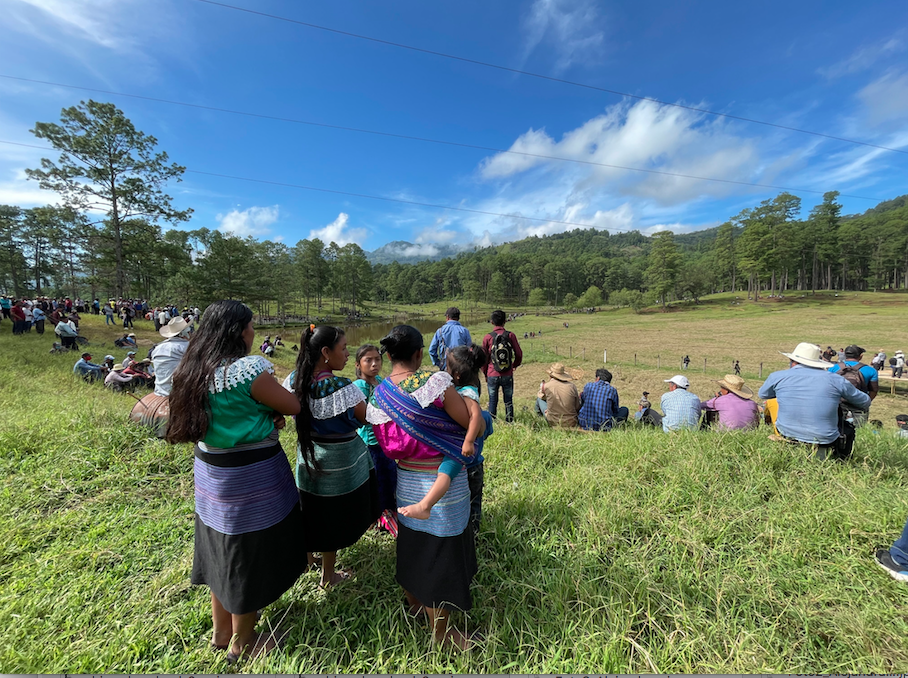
x,y
808,396
680,407
87,369
449,335
599,410
870,378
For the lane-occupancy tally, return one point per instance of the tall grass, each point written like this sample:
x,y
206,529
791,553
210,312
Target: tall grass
x,y
630,552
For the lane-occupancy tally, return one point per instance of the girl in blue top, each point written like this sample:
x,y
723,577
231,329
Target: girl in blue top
x,y
368,365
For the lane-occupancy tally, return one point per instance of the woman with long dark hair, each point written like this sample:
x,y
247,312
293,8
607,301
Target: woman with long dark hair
x,y
420,420
249,538
334,472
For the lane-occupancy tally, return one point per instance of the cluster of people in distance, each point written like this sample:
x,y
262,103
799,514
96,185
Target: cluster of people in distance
x,y
402,450
802,403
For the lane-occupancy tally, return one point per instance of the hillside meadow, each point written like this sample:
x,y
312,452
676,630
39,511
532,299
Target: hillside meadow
x,y
626,552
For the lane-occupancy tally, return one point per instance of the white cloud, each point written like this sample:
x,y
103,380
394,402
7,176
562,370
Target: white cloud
x,y
644,135
86,19
568,27
886,99
864,57
253,221
91,32
424,250
339,232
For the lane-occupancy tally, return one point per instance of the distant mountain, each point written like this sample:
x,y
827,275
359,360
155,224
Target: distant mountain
x,y
408,253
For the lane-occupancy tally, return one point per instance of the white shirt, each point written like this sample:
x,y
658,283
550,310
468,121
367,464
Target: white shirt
x,y
166,357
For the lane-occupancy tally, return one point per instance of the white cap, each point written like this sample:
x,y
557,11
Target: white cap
x,y
679,380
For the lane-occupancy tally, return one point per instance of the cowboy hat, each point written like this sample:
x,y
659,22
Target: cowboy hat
x,y
735,384
557,371
807,354
173,328
118,367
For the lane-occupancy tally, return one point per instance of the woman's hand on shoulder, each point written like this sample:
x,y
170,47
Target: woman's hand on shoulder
x,y
266,390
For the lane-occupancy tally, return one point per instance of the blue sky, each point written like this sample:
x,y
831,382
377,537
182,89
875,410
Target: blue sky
x,y
840,68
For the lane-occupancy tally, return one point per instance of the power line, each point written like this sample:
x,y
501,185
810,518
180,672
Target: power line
x,y
384,198
542,76
359,195
442,142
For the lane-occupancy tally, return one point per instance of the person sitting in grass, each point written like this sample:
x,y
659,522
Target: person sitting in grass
x,y
599,408
901,420
116,380
645,413
557,399
86,369
680,407
808,402
735,404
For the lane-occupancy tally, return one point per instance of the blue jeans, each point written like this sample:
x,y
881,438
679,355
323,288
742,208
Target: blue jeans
x,y
899,550
108,319
507,388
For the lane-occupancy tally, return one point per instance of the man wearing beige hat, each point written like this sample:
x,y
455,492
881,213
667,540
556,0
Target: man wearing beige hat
x,y
808,396
734,403
558,399
154,409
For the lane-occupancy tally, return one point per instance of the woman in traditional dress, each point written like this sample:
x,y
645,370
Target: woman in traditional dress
x,y
420,420
334,472
249,538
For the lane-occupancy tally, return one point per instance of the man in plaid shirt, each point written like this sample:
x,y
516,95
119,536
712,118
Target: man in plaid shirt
x,y
680,407
599,409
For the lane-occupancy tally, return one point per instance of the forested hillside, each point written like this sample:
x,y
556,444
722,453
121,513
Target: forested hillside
x,y
768,249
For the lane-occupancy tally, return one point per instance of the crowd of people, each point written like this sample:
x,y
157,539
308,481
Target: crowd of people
x,y
404,452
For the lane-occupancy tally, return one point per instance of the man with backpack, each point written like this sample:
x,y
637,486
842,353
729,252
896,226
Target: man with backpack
x,y
863,377
808,400
504,354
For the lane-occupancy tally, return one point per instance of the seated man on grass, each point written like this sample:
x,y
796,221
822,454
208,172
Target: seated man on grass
x,y
599,408
86,369
680,407
808,403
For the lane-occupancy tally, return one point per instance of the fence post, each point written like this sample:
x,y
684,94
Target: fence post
x,y
892,390
761,370
635,360
584,352
571,349
658,362
704,366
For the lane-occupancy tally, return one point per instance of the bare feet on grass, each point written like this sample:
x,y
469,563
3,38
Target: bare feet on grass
x,y
335,578
261,643
419,511
452,638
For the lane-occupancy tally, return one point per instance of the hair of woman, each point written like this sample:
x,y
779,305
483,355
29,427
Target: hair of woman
x,y
402,343
216,344
362,351
312,341
465,362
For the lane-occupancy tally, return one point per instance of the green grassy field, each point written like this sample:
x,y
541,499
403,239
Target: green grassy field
x,y
631,552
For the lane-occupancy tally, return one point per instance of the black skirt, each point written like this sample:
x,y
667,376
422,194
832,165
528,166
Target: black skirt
x,y
248,571
333,523
437,570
